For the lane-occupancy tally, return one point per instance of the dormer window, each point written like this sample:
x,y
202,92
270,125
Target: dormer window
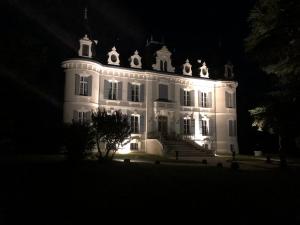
x,y
163,60
113,57
135,60
204,71
85,50
187,68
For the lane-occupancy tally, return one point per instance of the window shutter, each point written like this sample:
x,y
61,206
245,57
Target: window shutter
x,y
211,127
119,90
77,83
142,123
234,128
142,92
200,98
209,100
192,130
234,99
181,126
200,125
192,93
227,99
106,89
90,85
129,91
230,128
89,116
75,116
181,97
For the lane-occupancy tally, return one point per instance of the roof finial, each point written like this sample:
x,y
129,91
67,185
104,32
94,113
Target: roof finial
x,y
85,13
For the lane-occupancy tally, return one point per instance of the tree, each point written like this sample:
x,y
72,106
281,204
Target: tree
x,y
112,129
274,43
78,138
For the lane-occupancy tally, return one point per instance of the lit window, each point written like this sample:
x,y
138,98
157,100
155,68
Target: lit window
x,y
134,146
204,127
186,98
135,91
186,126
203,99
83,86
113,87
135,124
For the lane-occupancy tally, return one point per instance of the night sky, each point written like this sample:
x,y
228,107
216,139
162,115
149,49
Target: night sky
x,y
38,35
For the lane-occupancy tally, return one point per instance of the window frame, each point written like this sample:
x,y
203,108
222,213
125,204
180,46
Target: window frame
x,y
135,92
135,124
83,86
113,90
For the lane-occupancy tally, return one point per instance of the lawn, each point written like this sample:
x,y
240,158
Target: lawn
x,y
91,193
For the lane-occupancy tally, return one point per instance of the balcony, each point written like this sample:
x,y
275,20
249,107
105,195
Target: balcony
x,y
164,104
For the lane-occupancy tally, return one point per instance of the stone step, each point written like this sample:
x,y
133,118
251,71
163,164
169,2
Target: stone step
x,y
185,149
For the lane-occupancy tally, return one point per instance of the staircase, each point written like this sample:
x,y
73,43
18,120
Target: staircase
x,y
185,149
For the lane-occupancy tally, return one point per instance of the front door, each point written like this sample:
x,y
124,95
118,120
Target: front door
x,y
163,125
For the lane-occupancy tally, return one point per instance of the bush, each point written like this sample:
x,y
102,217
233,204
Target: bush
x,y
127,161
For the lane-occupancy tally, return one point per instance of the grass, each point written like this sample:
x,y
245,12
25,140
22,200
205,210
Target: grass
x,y
91,193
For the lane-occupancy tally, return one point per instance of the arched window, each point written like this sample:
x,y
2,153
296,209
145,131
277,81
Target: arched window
x,y
165,66
161,65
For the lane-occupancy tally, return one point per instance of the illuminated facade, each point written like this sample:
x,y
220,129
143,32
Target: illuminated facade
x,y
160,102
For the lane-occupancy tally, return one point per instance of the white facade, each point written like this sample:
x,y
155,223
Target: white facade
x,y
159,104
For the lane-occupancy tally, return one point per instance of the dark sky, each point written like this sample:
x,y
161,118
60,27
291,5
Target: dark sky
x,y
38,35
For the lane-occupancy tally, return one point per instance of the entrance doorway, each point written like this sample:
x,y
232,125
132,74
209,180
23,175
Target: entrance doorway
x,y
163,125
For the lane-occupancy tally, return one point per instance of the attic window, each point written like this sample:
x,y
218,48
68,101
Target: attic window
x,y
187,69
136,61
114,58
85,50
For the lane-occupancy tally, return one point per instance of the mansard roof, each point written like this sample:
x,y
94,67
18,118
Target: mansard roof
x,y
145,70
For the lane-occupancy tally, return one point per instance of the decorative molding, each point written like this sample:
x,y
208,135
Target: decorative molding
x,y
187,68
113,57
135,60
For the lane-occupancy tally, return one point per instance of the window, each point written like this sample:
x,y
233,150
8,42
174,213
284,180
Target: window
x,y
203,99
204,127
136,61
135,92
85,50
135,124
186,98
230,99
83,86
112,94
163,91
232,128
81,117
187,69
186,126
134,146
